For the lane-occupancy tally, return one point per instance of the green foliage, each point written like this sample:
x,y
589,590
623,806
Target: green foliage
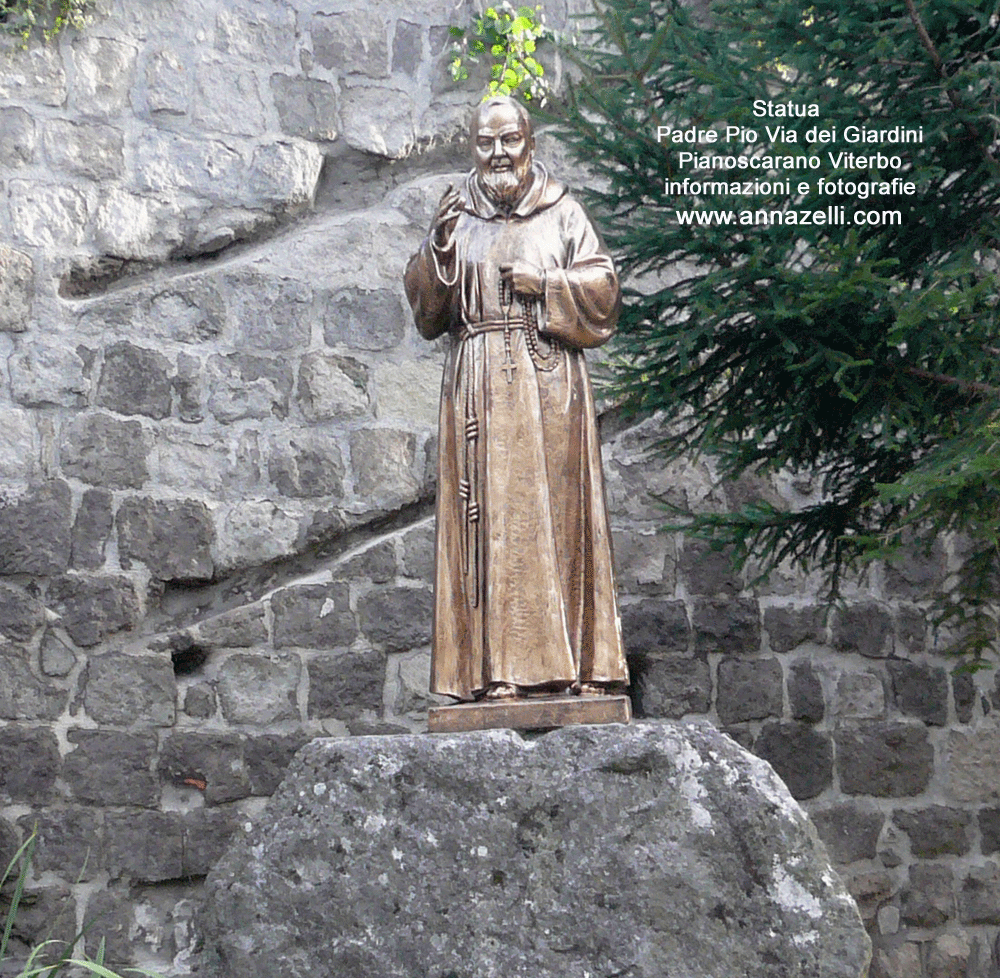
x,y
50,958
51,17
508,38
867,356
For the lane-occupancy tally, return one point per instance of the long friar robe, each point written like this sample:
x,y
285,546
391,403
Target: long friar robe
x,y
524,583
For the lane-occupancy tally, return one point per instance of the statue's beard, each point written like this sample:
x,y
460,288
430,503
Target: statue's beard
x,y
506,187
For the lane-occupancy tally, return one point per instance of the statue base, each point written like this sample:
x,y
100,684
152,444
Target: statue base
x,y
529,713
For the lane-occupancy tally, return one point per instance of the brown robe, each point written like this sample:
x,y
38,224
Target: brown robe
x,y
524,588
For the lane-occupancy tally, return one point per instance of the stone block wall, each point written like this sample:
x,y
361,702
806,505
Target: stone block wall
x,y
217,439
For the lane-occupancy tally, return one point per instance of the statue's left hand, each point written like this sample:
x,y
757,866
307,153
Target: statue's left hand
x,y
524,278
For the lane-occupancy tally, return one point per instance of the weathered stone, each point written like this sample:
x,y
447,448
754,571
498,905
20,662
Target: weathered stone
x,y
916,571
788,628
200,702
92,608
46,913
948,956
396,618
45,374
407,47
409,392
254,689
208,762
267,757
362,319
384,460
418,553
354,42
167,163
902,961
935,831
188,386
206,834
257,32
146,846
226,99
245,386
805,692
865,628
332,388
92,529
118,933
57,659
192,313
381,841
105,451
33,74
644,560
656,625
29,763
17,138
920,690
342,685
668,687
173,539
168,85
307,107
17,275
860,694
93,152
241,628
104,72
801,756
35,530
973,762
979,898
69,842
749,689
112,768
135,381
409,685
707,572
314,616
929,896
964,690
989,830
884,759
379,120
849,831
197,461
306,465
377,563
729,626
911,631
22,695
283,176
21,614
122,687
48,216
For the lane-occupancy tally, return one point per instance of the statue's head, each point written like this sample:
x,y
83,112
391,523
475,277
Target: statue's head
x,y
502,143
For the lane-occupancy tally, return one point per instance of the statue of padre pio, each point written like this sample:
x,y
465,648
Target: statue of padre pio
x,y
516,274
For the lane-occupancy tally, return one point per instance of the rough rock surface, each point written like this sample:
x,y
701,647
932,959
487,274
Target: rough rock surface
x,y
659,849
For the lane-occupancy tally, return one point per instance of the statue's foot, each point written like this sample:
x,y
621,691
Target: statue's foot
x,y
502,691
595,689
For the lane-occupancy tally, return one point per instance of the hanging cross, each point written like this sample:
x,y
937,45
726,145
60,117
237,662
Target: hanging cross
x,y
508,368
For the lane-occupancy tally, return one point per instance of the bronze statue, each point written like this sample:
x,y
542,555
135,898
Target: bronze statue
x,y
515,272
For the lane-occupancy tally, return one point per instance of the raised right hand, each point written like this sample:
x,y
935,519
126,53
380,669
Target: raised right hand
x,y
446,217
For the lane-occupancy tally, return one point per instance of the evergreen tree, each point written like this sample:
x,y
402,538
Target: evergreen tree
x,y
865,352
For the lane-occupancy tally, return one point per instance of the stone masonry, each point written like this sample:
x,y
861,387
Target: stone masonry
x,y
217,440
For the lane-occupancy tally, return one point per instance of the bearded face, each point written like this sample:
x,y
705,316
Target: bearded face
x,y
502,149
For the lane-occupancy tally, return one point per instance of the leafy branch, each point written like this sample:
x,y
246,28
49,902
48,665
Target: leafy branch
x,y
23,17
509,38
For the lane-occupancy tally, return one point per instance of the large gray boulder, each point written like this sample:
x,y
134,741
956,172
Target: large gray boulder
x,y
657,850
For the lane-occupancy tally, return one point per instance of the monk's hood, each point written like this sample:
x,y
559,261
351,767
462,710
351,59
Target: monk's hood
x,y
543,193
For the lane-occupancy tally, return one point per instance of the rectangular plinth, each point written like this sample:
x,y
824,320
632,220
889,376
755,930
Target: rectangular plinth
x,y
529,713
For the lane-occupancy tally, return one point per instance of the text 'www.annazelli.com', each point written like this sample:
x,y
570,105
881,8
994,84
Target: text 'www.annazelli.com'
x,y
834,214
